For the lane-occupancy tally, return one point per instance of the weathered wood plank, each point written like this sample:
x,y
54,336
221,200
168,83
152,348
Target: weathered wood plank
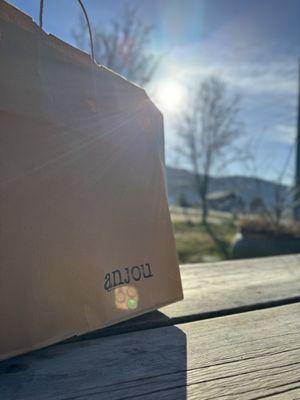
x,y
225,285
247,356
223,288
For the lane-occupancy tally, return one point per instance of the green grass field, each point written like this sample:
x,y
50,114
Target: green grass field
x,y
193,243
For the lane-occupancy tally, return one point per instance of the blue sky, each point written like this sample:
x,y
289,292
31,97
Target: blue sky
x,y
253,45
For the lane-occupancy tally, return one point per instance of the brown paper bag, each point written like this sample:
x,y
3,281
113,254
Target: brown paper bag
x,y
86,239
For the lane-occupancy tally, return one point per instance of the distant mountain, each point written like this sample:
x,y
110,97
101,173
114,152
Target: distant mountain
x,y
181,184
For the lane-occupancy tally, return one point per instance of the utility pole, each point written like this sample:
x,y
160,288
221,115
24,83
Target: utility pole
x,y
297,172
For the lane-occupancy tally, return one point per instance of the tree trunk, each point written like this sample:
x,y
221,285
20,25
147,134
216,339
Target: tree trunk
x,y
203,194
204,210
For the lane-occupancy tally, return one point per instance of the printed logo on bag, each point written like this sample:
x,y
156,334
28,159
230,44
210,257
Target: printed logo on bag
x,y
126,297
126,275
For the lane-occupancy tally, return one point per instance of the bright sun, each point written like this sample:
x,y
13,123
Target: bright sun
x,y
170,96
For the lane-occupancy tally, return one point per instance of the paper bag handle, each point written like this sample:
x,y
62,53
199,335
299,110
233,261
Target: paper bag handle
x,y
86,18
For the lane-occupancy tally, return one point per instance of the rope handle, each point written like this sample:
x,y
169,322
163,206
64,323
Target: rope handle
x,y
86,18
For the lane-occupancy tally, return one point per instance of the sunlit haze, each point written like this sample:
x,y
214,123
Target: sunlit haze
x,y
170,96
253,46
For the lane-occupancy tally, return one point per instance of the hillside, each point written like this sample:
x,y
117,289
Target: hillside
x,y
182,183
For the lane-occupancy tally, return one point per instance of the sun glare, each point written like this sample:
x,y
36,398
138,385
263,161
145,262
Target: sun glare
x,y
170,96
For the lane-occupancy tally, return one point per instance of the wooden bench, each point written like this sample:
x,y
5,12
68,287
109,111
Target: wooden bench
x,y
236,335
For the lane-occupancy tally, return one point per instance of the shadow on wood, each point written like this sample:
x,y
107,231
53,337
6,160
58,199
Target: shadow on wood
x,y
149,320
151,363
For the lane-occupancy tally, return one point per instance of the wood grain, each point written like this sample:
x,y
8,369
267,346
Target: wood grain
x,y
225,285
222,288
249,356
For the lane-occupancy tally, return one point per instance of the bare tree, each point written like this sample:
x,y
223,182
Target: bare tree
x,y
209,131
281,204
122,45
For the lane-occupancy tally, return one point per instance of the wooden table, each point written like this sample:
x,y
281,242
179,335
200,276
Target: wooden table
x,y
235,336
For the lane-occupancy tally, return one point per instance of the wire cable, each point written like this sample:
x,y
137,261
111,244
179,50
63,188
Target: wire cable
x,y
87,22
89,28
